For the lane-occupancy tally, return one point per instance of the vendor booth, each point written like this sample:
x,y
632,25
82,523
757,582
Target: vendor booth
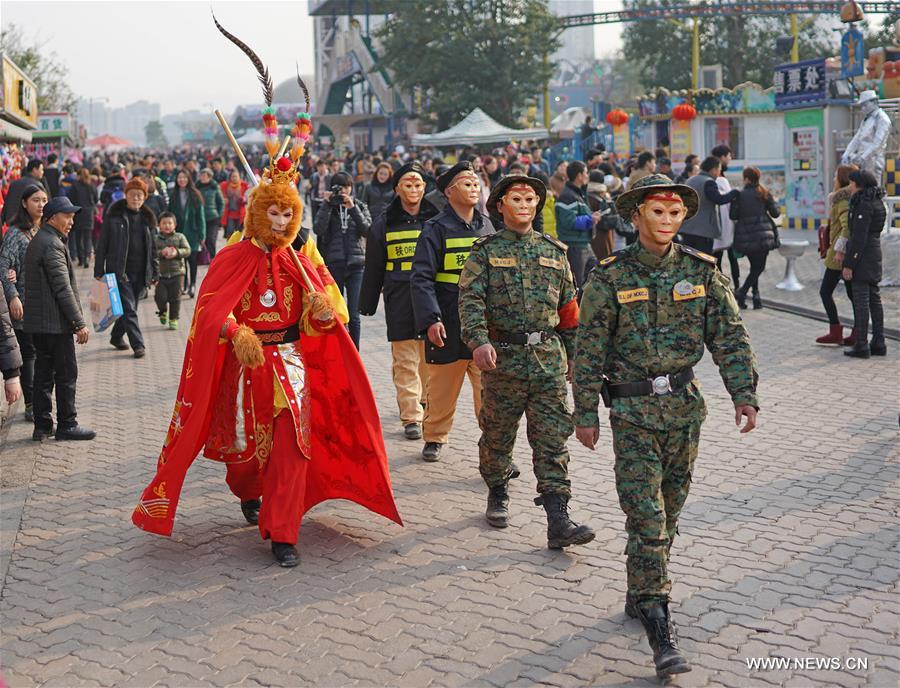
x,y
475,128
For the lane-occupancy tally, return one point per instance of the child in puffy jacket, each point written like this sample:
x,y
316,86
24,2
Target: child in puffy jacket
x,y
173,248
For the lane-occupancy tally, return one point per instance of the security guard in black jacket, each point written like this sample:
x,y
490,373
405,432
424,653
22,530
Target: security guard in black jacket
x,y
441,252
390,247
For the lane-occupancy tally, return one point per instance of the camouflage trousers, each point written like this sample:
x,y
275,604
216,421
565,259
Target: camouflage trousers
x,y
653,477
544,401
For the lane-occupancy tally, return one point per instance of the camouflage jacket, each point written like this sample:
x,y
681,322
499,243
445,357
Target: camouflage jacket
x,y
644,316
519,283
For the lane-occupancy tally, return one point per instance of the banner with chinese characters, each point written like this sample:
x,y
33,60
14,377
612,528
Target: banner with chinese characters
x,y
800,84
806,195
680,138
53,124
622,139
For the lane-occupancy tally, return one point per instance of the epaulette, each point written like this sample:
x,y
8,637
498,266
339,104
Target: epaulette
x,y
610,259
556,242
481,241
691,251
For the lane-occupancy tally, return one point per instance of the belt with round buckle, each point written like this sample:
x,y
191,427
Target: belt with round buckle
x,y
661,385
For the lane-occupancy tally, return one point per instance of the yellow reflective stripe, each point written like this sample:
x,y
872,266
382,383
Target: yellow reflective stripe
x,y
447,277
461,242
455,260
406,265
404,234
395,251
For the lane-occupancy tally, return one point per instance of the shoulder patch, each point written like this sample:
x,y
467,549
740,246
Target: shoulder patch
x,y
610,259
556,242
481,241
697,254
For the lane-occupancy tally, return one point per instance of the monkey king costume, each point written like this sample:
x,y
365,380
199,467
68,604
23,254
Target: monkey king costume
x,y
271,383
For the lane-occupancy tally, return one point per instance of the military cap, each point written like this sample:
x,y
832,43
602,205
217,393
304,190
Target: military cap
x,y
414,166
447,178
628,202
499,191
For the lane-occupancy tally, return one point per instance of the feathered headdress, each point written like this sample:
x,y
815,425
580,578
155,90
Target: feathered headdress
x,y
281,169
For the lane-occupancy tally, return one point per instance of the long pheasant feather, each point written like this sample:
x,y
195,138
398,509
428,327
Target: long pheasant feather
x,y
303,87
264,77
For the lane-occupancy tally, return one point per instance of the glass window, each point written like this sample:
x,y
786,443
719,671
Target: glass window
x,y
724,130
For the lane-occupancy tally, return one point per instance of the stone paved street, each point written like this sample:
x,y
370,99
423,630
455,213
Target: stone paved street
x,y
788,548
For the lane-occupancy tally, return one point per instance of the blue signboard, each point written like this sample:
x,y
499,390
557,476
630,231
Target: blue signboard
x,y
853,54
800,84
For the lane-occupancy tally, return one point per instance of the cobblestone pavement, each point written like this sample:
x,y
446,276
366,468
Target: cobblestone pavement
x,y
788,548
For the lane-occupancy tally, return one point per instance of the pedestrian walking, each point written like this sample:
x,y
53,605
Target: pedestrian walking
x,y
53,316
441,252
862,263
213,207
837,231
724,244
188,205
574,220
127,250
83,193
22,229
341,227
234,191
379,192
390,248
646,314
519,317
172,249
34,175
701,229
10,357
755,233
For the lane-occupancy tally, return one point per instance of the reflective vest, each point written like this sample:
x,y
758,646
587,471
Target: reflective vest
x,y
456,253
401,246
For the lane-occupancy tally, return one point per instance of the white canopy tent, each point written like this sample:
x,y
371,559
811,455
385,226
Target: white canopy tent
x,y
569,119
477,127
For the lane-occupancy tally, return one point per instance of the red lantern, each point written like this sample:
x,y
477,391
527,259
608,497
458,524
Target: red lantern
x,y
684,112
617,117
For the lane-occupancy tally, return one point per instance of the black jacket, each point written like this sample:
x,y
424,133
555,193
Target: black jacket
x,y
390,247
377,197
441,252
114,184
340,245
84,195
10,356
867,216
754,231
112,247
51,295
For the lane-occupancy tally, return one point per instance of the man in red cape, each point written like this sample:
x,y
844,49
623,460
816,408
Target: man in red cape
x,y
271,385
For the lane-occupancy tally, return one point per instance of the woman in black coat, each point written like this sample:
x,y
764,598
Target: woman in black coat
x,y
862,263
83,193
379,192
754,231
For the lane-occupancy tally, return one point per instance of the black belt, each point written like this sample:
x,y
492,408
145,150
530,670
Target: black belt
x,y
664,384
526,338
282,336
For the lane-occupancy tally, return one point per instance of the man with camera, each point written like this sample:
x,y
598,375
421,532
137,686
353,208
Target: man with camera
x,y
341,226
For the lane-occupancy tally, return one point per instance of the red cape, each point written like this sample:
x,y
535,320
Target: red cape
x,y
348,458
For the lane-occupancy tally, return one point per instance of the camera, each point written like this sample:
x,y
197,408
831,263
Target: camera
x,y
337,195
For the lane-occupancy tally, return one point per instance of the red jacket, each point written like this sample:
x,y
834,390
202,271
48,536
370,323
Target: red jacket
x,y
230,214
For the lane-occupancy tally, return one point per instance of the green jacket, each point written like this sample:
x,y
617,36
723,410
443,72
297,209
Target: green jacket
x,y
515,284
190,218
213,201
172,267
838,225
643,316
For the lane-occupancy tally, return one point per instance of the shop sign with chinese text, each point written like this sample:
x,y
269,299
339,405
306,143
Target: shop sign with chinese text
x,y
800,84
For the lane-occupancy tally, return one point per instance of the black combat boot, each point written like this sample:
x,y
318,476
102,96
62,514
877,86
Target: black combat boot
x,y
497,513
661,635
250,509
561,531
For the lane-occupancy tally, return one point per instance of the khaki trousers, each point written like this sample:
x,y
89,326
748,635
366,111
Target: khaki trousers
x,y
444,384
410,378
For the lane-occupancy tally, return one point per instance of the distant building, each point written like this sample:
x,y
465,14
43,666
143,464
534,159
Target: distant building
x,y
125,122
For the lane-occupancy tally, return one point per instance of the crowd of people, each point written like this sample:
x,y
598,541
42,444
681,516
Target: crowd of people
x,y
151,218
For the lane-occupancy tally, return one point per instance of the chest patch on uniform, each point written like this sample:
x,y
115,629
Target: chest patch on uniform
x,y
641,294
503,262
607,260
684,291
550,263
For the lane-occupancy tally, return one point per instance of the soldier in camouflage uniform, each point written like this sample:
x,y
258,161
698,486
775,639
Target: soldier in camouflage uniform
x,y
646,314
518,315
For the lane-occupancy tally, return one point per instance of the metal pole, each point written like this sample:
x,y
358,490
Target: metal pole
x,y
695,54
795,32
546,97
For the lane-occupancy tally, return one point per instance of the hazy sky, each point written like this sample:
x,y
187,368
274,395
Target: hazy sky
x,y
171,53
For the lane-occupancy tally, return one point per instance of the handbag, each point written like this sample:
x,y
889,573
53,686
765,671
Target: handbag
x,y
824,239
203,256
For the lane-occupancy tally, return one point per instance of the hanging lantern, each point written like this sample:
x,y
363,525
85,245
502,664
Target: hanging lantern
x,y
684,112
617,117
